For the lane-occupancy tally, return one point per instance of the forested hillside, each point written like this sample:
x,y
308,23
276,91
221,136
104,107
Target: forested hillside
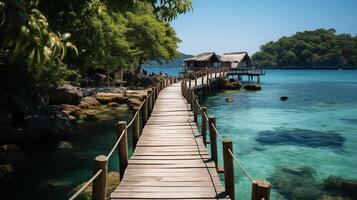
x,y
176,62
320,48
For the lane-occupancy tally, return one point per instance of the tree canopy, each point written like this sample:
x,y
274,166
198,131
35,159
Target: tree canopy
x,y
53,41
320,48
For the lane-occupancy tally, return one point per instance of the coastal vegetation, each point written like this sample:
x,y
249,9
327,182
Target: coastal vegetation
x,y
318,49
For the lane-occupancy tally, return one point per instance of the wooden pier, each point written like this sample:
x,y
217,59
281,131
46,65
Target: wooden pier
x,y
250,73
170,159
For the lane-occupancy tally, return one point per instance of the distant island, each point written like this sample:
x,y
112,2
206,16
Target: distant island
x,y
177,62
318,49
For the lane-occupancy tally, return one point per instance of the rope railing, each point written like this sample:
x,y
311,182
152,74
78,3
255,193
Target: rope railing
x,y
99,160
260,188
75,195
241,166
116,144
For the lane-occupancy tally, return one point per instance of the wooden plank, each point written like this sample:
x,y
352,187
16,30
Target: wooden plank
x,y
170,160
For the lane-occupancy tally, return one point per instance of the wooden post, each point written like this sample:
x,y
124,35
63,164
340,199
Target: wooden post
x,y
213,139
189,84
195,108
204,126
228,167
136,126
153,96
149,103
188,95
202,79
100,183
122,147
192,98
261,190
195,81
145,110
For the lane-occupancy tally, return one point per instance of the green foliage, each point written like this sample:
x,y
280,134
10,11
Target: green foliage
x,y
320,48
109,34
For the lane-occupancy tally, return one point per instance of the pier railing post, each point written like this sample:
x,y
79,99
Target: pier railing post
x,y
122,147
204,125
149,103
261,190
136,126
195,81
145,109
99,188
213,139
192,98
228,167
189,84
195,108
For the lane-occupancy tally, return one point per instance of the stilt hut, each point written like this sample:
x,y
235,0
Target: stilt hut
x,y
236,60
202,60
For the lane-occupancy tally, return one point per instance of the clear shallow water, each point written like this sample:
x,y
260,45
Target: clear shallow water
x,y
314,130
52,173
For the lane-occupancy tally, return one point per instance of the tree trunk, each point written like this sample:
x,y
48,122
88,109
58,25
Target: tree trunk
x,y
108,76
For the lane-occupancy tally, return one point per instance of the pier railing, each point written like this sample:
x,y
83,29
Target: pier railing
x,y
260,188
100,166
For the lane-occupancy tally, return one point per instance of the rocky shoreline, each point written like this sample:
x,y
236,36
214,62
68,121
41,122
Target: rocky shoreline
x,y
36,123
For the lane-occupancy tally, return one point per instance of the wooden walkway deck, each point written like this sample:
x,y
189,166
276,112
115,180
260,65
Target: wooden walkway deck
x,y
170,160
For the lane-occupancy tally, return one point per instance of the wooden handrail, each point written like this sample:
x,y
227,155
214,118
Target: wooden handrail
x,y
260,188
100,168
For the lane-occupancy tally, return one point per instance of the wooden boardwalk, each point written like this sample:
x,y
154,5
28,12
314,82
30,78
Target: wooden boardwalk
x,y
170,160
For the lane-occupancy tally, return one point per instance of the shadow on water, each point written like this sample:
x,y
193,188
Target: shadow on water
x,y
350,121
301,137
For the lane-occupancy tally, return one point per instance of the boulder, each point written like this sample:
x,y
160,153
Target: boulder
x,y
112,184
252,87
6,171
87,102
134,102
12,154
66,94
113,104
341,187
284,98
229,99
105,98
90,116
71,110
47,121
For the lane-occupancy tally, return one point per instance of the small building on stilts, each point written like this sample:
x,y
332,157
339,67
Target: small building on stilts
x,y
240,65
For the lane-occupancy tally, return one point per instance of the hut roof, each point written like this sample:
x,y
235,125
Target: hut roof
x,y
205,56
234,57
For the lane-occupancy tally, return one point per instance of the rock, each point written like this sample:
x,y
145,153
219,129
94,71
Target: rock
x,y
105,98
10,134
5,116
48,121
90,116
66,94
140,80
231,84
284,98
71,110
6,171
134,102
87,102
229,99
252,87
296,182
65,145
72,119
112,183
301,137
113,104
338,186
12,154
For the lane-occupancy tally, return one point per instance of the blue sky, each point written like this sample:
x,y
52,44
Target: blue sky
x,y
244,25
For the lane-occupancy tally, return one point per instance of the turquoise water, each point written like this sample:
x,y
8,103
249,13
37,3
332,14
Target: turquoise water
x,y
295,144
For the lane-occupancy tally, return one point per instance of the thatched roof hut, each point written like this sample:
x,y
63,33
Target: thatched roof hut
x,y
202,60
236,60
